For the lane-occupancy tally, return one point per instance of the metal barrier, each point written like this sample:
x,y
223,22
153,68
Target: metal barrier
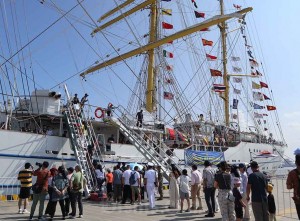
x,y
9,188
285,206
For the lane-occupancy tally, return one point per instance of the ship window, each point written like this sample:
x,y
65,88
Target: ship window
x,y
233,160
64,153
239,161
72,154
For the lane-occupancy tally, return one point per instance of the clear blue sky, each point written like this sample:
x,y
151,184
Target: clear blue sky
x,y
61,52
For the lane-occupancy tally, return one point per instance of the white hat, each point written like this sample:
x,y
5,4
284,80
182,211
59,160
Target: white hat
x,y
150,164
236,180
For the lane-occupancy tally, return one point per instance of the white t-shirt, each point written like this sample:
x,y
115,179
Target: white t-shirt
x,y
99,174
136,177
183,182
150,175
126,175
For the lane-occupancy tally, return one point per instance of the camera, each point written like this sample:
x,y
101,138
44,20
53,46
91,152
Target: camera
x,y
38,164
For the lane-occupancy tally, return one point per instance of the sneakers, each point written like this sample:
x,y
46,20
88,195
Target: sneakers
x,y
217,211
72,217
180,211
193,208
200,208
25,211
20,211
210,215
188,210
80,216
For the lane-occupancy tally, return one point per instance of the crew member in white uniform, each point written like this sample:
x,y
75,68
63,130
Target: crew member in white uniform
x,y
149,180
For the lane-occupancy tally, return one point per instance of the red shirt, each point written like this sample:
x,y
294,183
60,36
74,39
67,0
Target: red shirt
x,y
42,178
109,177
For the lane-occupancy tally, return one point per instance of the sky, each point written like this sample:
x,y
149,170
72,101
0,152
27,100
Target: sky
x,y
59,51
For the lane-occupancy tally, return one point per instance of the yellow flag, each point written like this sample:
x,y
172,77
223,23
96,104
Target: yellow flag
x,y
166,12
255,85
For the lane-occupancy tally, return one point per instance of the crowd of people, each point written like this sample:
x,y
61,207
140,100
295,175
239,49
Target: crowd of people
x,y
63,185
226,189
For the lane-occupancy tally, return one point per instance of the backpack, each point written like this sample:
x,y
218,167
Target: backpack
x,y
132,180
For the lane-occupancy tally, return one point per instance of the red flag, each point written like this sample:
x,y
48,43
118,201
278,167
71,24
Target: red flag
x,y
262,84
205,29
167,25
211,57
215,73
199,14
237,6
168,96
266,97
207,42
270,108
169,67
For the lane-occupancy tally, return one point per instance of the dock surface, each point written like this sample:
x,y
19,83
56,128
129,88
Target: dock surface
x,y
126,212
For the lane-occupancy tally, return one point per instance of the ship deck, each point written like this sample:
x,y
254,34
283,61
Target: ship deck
x,y
95,210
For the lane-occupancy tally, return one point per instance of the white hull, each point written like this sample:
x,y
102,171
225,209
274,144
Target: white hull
x,y
17,148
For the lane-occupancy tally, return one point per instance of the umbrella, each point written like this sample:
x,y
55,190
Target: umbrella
x,y
132,165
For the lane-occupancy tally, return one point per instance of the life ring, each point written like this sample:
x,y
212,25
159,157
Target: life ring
x,y
96,112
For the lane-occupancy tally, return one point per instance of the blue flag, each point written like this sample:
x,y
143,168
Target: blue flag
x,y
256,106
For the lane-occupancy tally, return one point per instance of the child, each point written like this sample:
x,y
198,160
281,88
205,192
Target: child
x,y
184,189
271,204
238,203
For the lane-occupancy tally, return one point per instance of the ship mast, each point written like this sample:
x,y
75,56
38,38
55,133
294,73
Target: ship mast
x,y
150,93
222,27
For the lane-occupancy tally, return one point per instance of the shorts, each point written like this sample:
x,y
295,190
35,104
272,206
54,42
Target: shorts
x,y
239,212
135,190
184,195
24,192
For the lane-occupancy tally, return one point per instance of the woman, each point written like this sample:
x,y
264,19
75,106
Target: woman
x,y
223,183
109,184
174,188
60,184
100,175
235,174
53,172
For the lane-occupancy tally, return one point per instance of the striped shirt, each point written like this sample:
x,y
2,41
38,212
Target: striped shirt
x,y
25,177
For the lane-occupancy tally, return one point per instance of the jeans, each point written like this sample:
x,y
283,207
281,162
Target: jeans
x,y
76,197
36,198
210,199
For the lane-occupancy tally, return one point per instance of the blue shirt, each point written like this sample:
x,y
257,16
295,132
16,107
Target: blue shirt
x,y
117,176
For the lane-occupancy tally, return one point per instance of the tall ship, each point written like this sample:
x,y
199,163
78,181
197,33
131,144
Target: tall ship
x,y
193,70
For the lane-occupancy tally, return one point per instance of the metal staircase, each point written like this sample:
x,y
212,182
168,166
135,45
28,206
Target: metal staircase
x,y
82,137
145,144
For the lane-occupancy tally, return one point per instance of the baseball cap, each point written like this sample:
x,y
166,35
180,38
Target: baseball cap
x,y
242,165
270,187
150,164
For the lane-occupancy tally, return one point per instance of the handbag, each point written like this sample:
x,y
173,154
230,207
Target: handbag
x,y
36,188
230,195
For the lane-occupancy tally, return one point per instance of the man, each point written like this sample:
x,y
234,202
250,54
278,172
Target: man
x,y
196,180
117,183
25,177
160,182
76,185
139,117
209,190
42,174
257,184
243,189
126,185
83,100
150,181
293,182
110,140
75,100
135,187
